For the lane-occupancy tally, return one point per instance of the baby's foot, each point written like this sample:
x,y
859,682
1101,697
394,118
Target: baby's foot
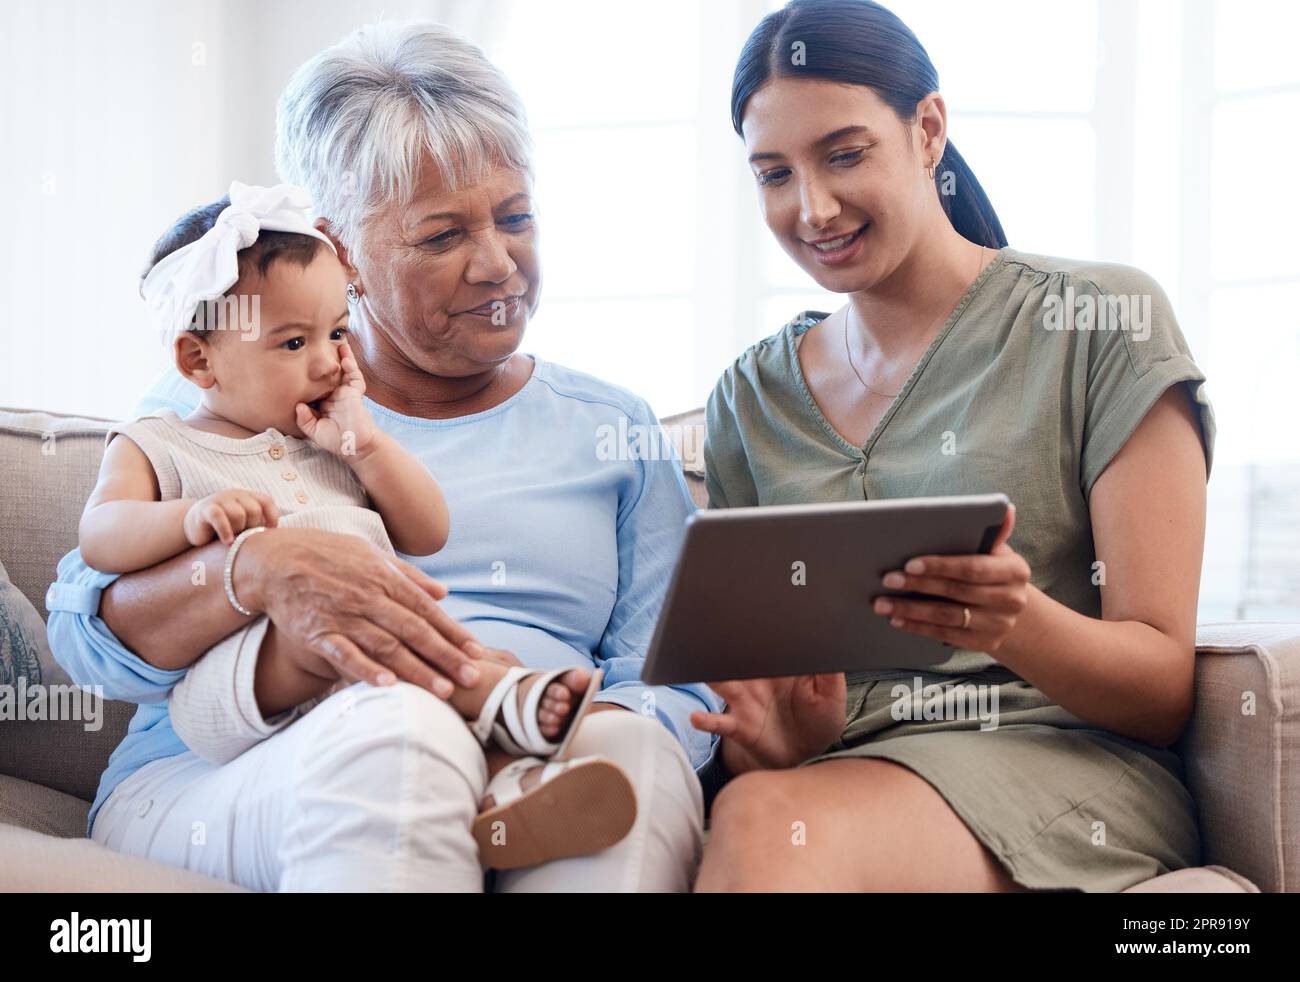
x,y
558,702
539,722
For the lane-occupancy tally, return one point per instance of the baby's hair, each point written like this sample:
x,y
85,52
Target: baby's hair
x,y
270,246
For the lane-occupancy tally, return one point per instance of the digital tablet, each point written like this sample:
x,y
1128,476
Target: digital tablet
x,y
788,589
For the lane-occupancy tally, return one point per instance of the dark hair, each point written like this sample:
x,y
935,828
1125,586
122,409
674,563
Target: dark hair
x,y
859,42
269,247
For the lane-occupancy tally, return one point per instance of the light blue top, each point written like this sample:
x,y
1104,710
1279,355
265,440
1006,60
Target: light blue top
x,y
557,553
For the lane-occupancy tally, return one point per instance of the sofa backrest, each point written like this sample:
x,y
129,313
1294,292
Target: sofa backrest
x,y
48,466
49,462
686,430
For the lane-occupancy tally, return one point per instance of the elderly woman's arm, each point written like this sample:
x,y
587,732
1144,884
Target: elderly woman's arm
x,y
652,522
336,597
171,613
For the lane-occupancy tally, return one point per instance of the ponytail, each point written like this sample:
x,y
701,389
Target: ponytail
x,y
965,203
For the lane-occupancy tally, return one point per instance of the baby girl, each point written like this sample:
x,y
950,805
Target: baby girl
x,y
250,298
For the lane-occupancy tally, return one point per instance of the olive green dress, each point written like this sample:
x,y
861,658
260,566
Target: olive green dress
x,y
1018,396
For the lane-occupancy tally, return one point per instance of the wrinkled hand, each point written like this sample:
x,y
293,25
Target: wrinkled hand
x,y
371,616
994,588
226,514
778,722
343,427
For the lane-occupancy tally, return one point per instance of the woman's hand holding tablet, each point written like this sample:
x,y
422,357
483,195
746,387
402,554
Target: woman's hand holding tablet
x,y
773,723
984,595
787,590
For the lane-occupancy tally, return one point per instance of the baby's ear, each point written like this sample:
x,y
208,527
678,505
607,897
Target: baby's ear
x,y
193,359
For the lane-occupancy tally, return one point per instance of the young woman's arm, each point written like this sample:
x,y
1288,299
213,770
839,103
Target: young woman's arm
x,y
1132,671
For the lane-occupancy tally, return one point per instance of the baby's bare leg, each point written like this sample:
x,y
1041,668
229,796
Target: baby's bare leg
x,y
279,682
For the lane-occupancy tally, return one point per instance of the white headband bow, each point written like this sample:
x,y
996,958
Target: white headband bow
x,y
205,269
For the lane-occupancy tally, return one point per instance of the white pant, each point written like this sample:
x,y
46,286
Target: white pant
x,y
375,790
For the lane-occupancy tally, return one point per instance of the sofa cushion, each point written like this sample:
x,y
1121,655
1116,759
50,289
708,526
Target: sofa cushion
x,y
67,755
1241,750
34,863
1197,879
42,809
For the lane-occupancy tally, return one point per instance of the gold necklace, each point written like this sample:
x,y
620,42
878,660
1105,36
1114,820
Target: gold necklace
x,y
849,354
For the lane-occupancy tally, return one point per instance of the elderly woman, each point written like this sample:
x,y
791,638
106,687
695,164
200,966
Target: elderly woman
x,y
416,152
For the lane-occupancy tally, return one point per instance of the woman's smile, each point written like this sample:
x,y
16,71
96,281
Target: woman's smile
x,y
838,250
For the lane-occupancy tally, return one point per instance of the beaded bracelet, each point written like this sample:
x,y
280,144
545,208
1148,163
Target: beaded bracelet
x,y
228,574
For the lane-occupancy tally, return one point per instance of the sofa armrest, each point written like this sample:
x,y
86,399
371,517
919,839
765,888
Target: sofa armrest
x,y
1241,750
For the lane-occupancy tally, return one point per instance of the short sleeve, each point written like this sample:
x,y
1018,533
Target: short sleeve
x,y
141,433
88,651
727,476
1136,353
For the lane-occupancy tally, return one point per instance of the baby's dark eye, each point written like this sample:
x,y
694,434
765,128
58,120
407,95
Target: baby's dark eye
x,y
337,333
293,344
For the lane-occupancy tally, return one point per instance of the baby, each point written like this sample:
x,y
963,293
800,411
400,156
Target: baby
x,y
250,298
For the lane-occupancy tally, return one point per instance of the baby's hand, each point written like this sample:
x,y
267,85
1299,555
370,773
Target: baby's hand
x,y
226,514
343,426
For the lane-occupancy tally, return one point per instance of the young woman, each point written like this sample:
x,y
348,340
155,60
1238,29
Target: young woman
x,y
957,366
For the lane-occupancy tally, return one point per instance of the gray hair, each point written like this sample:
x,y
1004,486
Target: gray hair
x,y
354,121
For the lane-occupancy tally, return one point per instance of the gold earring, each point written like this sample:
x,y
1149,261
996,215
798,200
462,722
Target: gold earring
x,y
930,170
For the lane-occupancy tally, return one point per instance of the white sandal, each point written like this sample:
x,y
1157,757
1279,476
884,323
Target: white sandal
x,y
579,807
521,736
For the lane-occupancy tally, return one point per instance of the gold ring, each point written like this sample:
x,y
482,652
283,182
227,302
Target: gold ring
x,y
965,613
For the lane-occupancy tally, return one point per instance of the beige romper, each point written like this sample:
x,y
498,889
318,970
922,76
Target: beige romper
x,y
213,709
